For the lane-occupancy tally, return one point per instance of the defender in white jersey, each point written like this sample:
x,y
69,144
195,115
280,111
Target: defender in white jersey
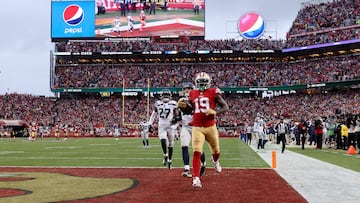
x,y
185,134
116,132
130,22
117,25
145,130
259,127
166,112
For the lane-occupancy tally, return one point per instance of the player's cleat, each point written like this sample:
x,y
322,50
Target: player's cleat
x,y
165,160
202,168
218,168
186,174
169,164
196,183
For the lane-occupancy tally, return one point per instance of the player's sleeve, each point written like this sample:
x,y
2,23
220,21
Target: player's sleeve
x,y
218,91
152,117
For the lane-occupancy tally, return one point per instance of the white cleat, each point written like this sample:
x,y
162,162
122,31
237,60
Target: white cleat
x,y
186,173
218,168
196,183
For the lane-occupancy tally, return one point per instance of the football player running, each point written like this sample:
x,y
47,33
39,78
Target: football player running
x,y
145,130
204,100
185,132
166,112
117,25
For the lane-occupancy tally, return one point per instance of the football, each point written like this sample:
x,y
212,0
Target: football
x,y
188,108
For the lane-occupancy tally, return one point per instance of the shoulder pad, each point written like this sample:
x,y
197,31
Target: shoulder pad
x,y
172,102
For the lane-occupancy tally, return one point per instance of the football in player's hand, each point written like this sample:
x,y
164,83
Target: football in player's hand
x,y
185,106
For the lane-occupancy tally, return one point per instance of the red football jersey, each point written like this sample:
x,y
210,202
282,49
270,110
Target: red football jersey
x,y
202,101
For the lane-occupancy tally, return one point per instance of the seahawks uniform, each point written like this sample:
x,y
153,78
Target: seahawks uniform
x,y
185,132
165,111
144,128
130,23
185,137
117,25
259,124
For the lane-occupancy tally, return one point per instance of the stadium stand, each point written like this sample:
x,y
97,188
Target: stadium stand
x,y
88,87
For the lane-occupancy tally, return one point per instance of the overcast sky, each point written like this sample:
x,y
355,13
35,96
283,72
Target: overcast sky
x,y
25,36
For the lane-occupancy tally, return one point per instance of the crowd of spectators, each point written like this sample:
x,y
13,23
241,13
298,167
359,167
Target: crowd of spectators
x,y
329,69
314,24
325,22
89,112
317,17
187,46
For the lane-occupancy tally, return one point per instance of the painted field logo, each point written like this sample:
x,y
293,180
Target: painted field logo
x,y
73,15
251,26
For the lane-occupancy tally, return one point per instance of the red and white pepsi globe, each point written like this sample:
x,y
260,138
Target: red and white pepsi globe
x,y
251,26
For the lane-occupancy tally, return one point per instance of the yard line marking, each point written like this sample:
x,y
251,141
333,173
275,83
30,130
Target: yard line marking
x,y
62,147
11,152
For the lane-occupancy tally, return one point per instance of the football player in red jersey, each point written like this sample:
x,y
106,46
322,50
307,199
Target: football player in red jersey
x,y
186,117
205,100
142,19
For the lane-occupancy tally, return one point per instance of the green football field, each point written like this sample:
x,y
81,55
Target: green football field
x,y
337,157
129,152
108,152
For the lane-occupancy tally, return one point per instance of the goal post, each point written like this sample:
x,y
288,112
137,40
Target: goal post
x,y
123,120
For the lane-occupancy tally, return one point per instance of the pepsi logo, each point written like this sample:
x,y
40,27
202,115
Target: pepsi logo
x,y
251,26
73,15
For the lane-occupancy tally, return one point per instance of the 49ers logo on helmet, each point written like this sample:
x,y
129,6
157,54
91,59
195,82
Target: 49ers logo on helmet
x,y
73,15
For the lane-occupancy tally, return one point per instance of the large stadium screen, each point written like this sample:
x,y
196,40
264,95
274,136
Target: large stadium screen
x,y
100,19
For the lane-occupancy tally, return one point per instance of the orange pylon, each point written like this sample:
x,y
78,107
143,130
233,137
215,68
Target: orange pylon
x,y
351,150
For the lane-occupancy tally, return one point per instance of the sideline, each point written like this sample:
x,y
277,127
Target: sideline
x,y
317,181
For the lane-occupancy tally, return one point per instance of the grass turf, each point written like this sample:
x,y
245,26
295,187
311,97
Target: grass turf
x,y
108,152
333,156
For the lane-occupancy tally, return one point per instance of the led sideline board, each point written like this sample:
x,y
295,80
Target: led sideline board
x,y
96,19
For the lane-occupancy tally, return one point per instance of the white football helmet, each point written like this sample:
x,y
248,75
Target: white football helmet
x,y
202,81
166,95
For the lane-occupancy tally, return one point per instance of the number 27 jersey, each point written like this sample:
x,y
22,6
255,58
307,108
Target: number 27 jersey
x,y
165,111
202,101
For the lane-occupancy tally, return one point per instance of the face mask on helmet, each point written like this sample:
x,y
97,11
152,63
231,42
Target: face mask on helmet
x,y
166,95
187,86
202,81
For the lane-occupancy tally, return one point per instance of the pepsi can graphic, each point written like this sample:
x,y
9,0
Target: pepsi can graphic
x,y
251,26
72,19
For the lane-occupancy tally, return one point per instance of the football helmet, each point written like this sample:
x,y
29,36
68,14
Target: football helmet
x,y
187,86
202,81
165,95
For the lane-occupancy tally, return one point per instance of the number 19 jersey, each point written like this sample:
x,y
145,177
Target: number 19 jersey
x,y
202,101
